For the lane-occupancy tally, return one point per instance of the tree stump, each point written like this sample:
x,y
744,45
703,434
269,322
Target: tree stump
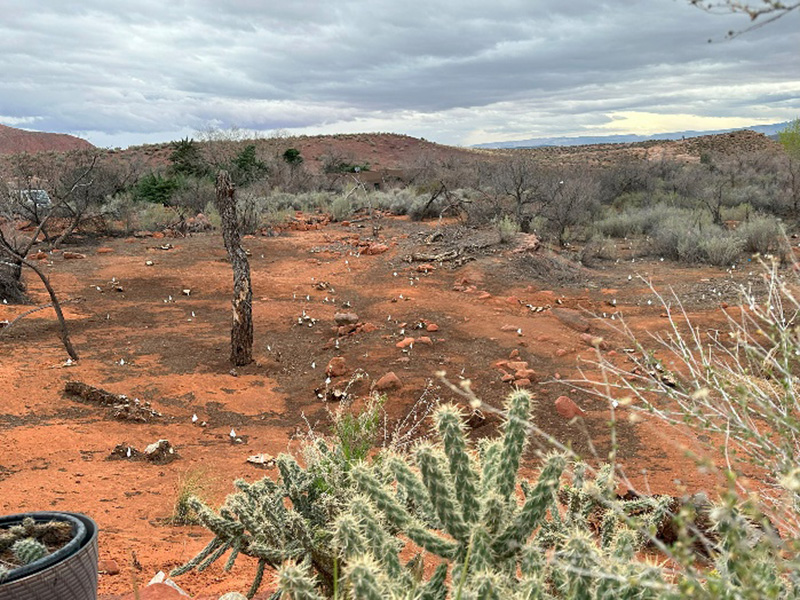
x,y
242,325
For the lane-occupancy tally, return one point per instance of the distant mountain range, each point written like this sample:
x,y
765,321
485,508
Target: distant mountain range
x,y
768,130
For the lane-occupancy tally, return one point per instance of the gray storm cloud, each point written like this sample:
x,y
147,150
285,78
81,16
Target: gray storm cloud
x,y
455,72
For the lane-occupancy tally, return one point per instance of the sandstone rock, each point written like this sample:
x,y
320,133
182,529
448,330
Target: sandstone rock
x,y
369,327
108,566
376,249
514,354
567,408
571,318
156,591
527,242
431,327
160,452
484,296
73,255
509,328
517,364
522,382
425,340
528,374
104,250
233,596
405,342
425,268
336,367
345,318
562,352
390,381
38,256
507,377
594,341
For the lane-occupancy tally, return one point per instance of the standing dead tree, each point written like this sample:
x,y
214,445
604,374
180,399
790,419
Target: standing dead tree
x,y
242,325
19,259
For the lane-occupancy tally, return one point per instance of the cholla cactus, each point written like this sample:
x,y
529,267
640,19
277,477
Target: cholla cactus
x,y
28,550
257,522
480,526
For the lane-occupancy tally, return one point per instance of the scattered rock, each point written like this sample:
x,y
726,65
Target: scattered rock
x,y
484,296
38,256
562,352
567,408
124,452
431,327
336,367
571,318
425,340
516,365
369,327
527,242
149,263
376,249
514,354
405,343
262,461
425,268
509,328
108,567
528,374
390,381
160,452
73,255
594,341
507,377
104,250
345,318
522,382
156,591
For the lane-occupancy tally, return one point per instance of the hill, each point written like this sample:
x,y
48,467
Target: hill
x,y
13,140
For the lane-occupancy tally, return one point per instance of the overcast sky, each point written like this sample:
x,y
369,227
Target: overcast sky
x,y
121,72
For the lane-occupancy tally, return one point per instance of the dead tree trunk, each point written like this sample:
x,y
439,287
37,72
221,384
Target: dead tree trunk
x,y
242,326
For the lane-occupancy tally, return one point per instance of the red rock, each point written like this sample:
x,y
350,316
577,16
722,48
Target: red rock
x,y
557,375
336,367
345,330
376,249
528,374
405,343
156,591
108,566
425,340
425,268
38,256
567,408
390,381
509,328
104,250
329,344
369,327
561,352
518,364
514,354
431,327
73,255
522,382
500,364
157,235
512,300
484,296
571,318
594,341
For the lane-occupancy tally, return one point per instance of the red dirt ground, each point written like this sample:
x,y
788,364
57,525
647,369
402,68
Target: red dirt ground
x,y
152,342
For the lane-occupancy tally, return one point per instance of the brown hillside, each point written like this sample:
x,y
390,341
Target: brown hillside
x,y
13,140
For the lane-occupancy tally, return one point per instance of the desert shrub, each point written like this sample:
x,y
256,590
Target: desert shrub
x,y
507,227
343,207
722,250
155,188
190,484
153,217
598,248
762,235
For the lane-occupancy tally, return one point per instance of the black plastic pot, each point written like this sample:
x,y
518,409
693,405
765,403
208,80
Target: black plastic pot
x,y
69,573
